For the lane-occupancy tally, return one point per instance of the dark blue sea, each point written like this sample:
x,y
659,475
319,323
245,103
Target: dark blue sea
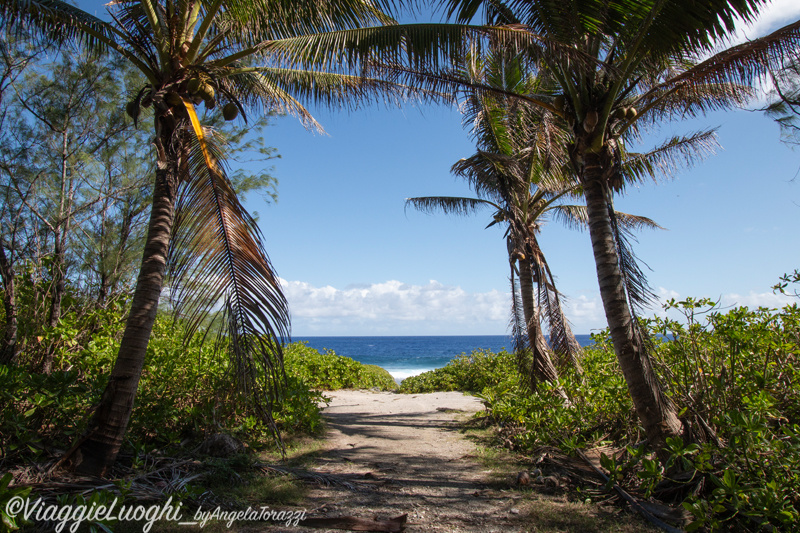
x,y
409,356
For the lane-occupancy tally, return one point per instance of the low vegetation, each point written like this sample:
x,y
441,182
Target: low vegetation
x,y
182,391
733,375
329,371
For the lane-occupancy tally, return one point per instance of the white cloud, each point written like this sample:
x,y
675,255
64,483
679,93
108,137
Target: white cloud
x,y
667,294
775,15
756,299
585,313
394,307
397,308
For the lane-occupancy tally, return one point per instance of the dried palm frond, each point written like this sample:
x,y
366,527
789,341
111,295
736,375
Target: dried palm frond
x,y
519,334
220,276
561,339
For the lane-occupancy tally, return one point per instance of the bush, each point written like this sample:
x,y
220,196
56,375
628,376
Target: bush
x,y
185,392
380,378
737,374
329,371
468,373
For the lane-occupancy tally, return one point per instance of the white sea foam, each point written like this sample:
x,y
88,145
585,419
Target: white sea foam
x,y
399,374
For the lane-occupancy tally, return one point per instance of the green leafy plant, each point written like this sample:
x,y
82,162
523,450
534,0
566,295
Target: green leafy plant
x,y
329,371
10,523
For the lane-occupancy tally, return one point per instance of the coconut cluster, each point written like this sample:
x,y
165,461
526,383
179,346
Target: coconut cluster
x,y
592,117
199,89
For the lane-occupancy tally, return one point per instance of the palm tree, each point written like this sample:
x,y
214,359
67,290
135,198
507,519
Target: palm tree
x,y
511,173
521,171
613,66
227,54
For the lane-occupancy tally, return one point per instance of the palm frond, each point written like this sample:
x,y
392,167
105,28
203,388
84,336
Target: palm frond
x,y
575,217
283,89
743,64
220,274
562,340
691,100
258,20
449,205
54,20
665,160
640,294
519,334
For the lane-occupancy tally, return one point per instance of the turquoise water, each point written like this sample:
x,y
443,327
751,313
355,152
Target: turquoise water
x,y
409,356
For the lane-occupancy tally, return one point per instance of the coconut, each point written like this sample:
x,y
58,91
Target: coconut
x,y
193,85
590,121
558,102
206,91
592,118
230,111
630,113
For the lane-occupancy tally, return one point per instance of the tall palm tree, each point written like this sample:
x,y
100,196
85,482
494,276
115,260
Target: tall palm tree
x,y
227,54
615,65
512,174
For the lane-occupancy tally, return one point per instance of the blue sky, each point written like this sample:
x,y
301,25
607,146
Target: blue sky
x,y
354,262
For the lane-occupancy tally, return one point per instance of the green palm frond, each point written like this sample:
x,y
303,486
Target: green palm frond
x,y
450,205
283,89
415,44
575,217
479,174
743,64
54,20
690,100
259,20
674,154
217,261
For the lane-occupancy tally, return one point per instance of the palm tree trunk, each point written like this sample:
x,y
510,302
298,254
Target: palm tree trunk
x,y
543,368
655,411
97,450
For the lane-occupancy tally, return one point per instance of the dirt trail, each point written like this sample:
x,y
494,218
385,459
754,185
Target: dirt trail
x,y
403,454
406,456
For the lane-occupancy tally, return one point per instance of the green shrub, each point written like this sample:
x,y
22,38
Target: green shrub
x,y
329,371
185,392
737,373
468,373
379,378
39,410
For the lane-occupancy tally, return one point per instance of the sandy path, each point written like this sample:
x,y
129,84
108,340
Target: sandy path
x,y
406,456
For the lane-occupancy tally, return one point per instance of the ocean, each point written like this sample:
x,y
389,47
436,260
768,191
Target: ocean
x,y
403,357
